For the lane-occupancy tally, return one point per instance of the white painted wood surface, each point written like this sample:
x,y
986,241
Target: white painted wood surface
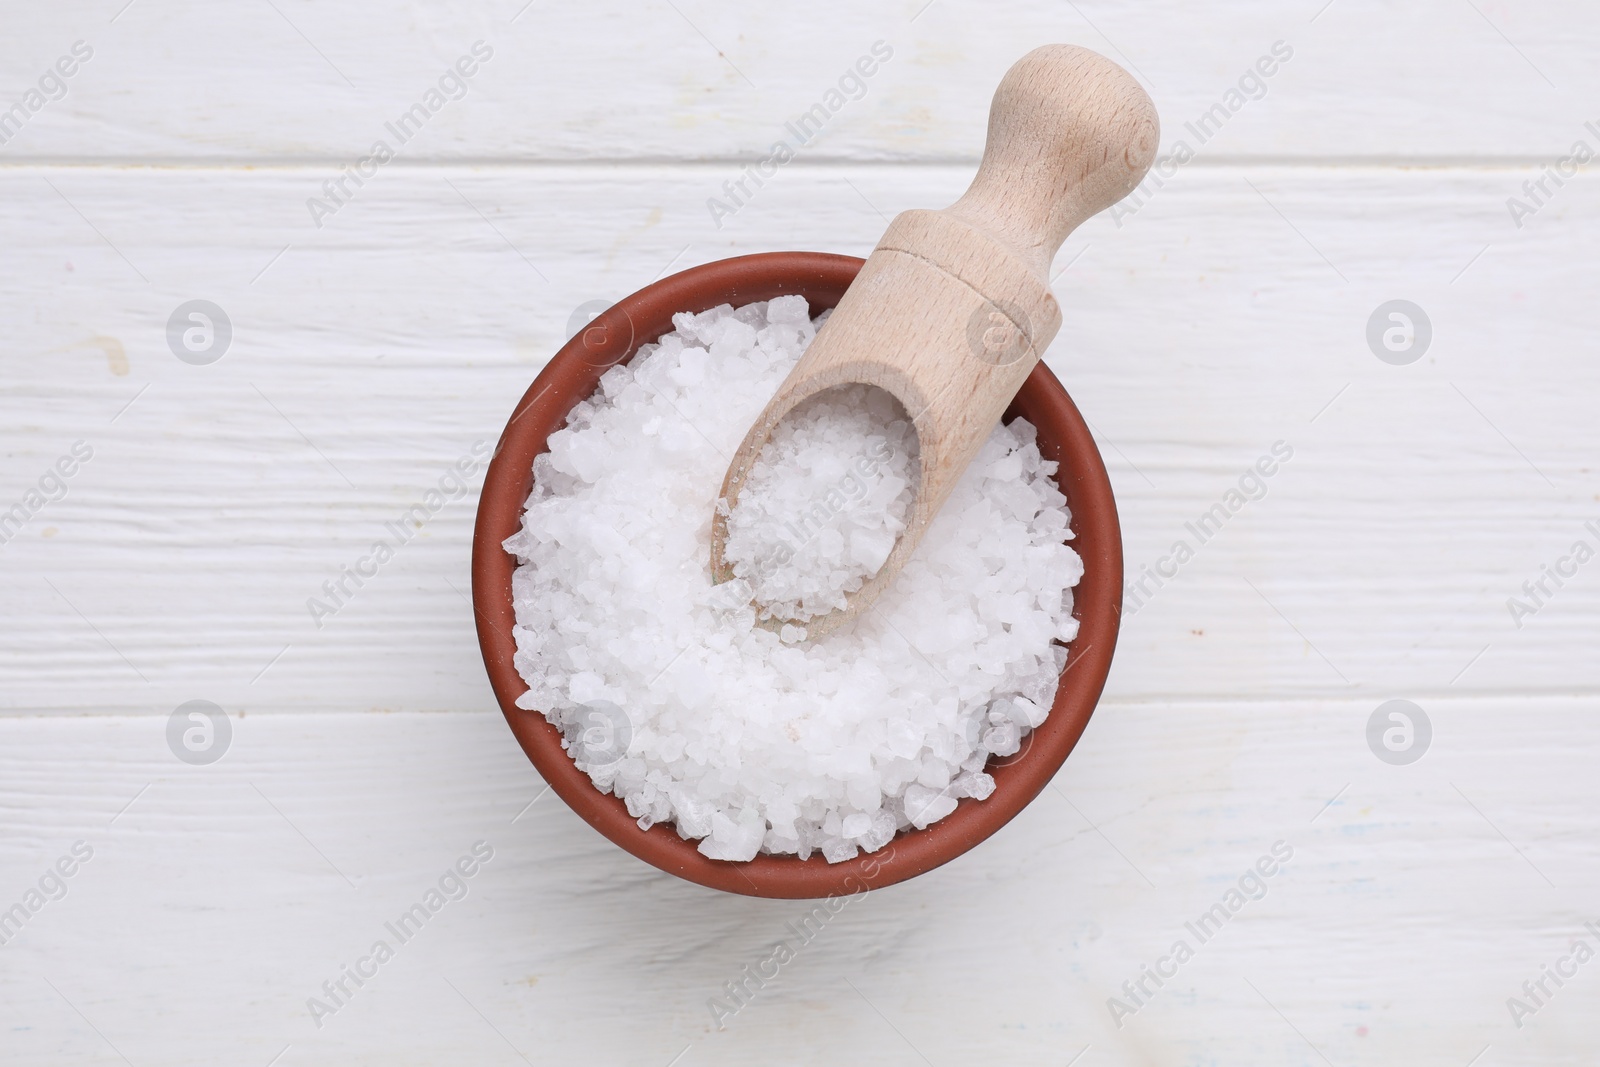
x,y
1227,313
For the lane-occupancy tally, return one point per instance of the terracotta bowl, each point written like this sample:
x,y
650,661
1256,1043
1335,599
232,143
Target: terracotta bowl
x,y
573,374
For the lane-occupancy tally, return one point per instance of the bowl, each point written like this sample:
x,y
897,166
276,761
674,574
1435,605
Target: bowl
x,y
574,373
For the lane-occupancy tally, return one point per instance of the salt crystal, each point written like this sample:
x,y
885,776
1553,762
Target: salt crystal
x,y
856,825
734,839
974,784
926,806
835,850
1003,740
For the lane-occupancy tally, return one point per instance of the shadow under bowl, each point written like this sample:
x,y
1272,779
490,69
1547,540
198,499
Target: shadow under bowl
x,y
573,375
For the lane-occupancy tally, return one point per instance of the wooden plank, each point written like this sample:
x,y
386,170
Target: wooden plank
x,y
218,900
1227,314
657,81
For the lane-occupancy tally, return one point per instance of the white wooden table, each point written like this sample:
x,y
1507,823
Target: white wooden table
x,y
1228,312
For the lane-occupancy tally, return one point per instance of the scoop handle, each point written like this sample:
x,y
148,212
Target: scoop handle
x,y
1070,134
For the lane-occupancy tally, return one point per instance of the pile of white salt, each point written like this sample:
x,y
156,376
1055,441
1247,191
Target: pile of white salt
x,y
669,691
824,502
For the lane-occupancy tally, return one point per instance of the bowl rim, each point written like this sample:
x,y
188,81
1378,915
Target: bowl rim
x,y
572,374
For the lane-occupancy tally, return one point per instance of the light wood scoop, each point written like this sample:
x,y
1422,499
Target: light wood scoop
x,y
953,308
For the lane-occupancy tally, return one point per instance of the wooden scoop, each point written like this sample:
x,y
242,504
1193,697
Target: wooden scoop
x,y
953,308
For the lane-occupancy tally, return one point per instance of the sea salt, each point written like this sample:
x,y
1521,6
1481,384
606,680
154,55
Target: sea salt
x,y
824,502
671,693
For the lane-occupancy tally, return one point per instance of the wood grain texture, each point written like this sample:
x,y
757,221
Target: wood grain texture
x,y
1225,311
185,80
221,897
381,347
